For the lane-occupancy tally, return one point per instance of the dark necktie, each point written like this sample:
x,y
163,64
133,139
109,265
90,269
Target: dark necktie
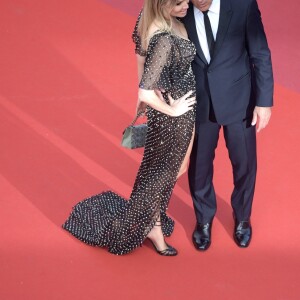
x,y
209,33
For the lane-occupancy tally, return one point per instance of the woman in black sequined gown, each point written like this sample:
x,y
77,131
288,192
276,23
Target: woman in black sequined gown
x,y
108,220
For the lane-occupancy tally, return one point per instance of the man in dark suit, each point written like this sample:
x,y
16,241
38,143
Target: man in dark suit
x,y
234,87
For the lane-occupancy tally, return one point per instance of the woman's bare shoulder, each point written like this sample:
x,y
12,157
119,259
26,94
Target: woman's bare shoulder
x,y
154,28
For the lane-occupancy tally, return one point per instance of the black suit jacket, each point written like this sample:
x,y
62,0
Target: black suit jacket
x,y
239,75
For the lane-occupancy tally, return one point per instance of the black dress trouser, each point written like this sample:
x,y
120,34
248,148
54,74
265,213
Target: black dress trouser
x,y
240,140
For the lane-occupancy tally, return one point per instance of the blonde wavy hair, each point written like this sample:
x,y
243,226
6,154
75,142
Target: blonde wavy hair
x,y
155,11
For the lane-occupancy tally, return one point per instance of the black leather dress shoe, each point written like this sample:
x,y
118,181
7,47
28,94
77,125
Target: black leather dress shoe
x,y
202,236
242,233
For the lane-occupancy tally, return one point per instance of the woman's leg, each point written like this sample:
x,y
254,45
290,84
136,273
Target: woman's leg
x,y
156,234
157,237
185,163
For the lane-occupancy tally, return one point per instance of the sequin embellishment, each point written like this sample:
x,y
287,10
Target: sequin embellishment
x,y
107,219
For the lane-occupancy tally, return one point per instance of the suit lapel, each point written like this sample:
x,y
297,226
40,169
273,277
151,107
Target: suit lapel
x,y
224,20
190,24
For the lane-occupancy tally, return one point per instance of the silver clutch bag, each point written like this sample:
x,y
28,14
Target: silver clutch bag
x,y
134,136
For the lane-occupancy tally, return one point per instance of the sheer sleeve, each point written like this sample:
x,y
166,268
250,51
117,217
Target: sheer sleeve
x,y
158,59
137,39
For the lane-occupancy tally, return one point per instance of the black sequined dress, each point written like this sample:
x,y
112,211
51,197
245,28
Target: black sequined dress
x,y
107,219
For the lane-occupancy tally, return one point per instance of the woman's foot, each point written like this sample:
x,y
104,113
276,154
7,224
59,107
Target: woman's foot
x,y
158,241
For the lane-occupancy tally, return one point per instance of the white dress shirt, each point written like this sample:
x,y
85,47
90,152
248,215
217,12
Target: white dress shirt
x,y
213,15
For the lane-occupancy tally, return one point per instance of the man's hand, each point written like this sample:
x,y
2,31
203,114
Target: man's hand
x,y
261,117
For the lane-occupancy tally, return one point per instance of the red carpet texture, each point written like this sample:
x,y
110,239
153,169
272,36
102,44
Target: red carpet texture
x,y
68,87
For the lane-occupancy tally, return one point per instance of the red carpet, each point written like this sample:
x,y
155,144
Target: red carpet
x,y
67,89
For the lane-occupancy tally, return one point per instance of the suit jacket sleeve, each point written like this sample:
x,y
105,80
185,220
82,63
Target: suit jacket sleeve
x,y
260,57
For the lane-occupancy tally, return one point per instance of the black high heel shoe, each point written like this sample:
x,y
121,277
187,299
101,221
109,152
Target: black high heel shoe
x,y
169,251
